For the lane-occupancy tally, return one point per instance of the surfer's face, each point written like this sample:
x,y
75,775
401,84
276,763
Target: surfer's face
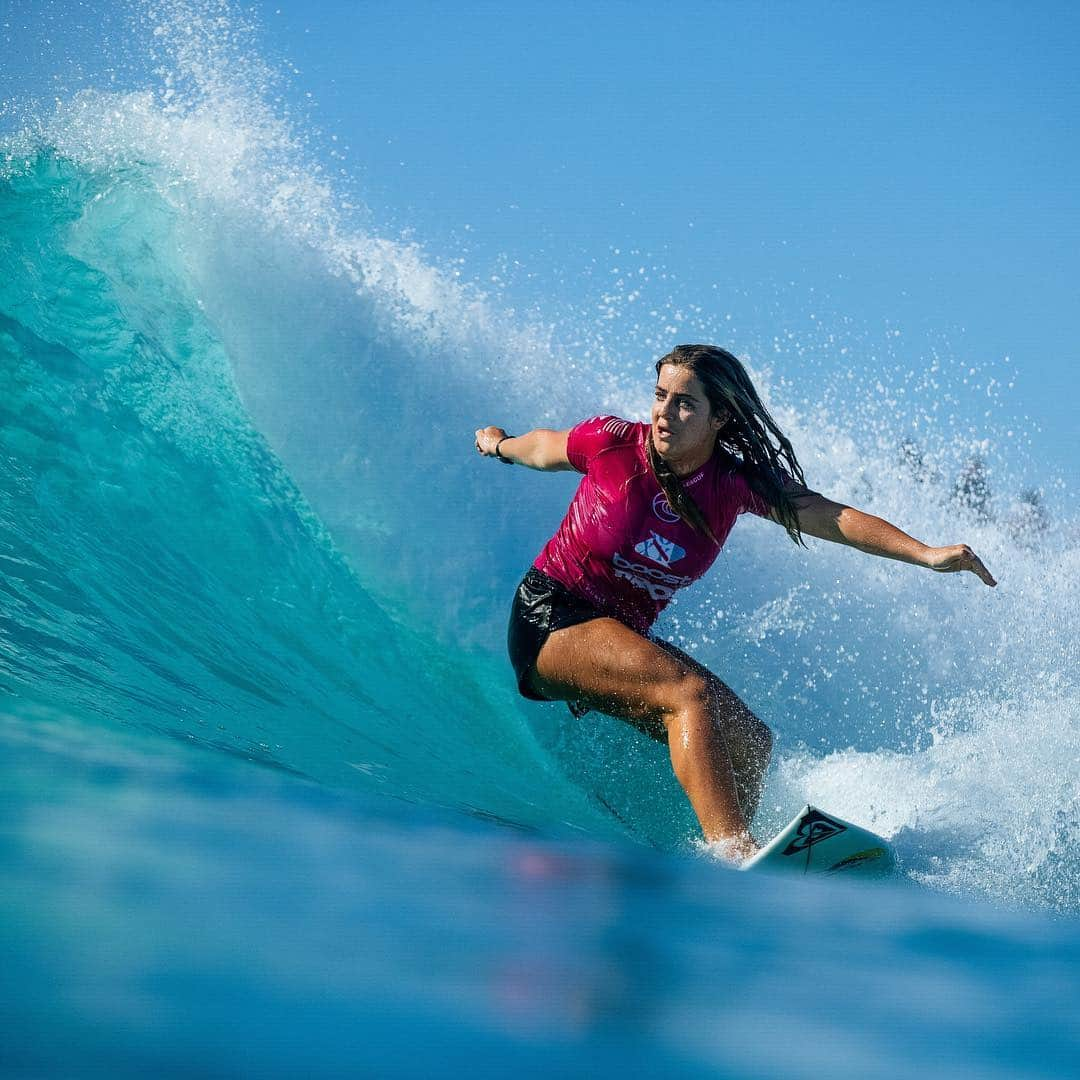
x,y
684,427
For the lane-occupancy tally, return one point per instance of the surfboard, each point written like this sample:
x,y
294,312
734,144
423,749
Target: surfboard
x,y
818,843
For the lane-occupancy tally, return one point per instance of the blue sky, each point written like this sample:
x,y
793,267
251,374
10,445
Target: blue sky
x,y
910,167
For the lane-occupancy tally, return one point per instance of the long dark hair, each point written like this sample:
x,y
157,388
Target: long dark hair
x,y
751,439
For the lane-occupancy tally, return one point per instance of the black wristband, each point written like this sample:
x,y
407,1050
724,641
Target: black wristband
x,y
505,461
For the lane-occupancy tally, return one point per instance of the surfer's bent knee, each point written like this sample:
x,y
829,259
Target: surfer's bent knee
x,y
688,694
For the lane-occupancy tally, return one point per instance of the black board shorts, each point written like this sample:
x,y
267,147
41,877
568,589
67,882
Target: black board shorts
x,y
542,605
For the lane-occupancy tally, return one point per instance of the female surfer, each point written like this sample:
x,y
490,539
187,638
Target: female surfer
x,y
655,506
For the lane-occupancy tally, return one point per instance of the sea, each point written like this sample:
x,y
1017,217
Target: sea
x,y
270,805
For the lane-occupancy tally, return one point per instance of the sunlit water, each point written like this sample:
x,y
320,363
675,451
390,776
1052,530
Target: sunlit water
x,y
270,802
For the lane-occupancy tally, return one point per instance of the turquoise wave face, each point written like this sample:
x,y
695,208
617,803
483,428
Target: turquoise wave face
x,y
159,567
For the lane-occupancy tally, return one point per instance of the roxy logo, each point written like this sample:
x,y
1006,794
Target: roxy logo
x,y
813,828
662,509
660,549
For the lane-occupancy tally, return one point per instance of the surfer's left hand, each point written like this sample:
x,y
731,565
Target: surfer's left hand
x,y
948,560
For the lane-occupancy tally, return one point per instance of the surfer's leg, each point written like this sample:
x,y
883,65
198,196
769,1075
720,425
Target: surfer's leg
x,y
611,668
749,739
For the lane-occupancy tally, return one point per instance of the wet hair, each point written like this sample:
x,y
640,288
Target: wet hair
x,y
751,439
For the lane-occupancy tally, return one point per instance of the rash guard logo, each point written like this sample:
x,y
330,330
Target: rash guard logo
x,y
619,428
652,579
659,549
662,509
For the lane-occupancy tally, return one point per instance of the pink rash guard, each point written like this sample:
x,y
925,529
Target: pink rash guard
x,y
621,546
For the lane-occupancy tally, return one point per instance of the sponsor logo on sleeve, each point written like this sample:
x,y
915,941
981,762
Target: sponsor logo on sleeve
x,y
618,428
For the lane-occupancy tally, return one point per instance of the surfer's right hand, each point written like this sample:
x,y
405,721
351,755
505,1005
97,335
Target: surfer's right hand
x,y
487,439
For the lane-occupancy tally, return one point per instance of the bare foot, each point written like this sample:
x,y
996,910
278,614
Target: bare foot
x,y
733,850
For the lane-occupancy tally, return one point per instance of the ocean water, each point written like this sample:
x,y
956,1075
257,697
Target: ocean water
x,y
271,805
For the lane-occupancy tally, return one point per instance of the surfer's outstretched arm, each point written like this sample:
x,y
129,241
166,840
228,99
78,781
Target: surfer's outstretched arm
x,y
540,449
842,524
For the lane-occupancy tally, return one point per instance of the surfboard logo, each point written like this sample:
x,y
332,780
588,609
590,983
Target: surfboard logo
x,y
813,828
659,549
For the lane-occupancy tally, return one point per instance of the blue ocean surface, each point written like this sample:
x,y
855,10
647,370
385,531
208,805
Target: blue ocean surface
x,y
269,802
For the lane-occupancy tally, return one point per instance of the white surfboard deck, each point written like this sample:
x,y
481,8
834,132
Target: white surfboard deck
x,y
818,843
